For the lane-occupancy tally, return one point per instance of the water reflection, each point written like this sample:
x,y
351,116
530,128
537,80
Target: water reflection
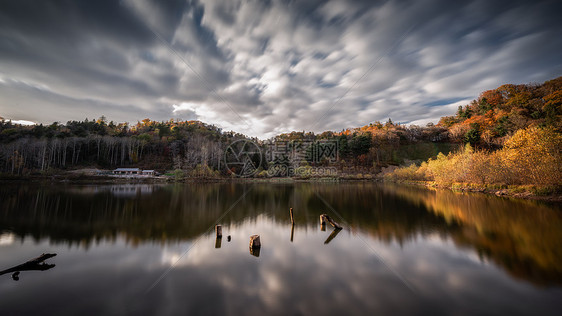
x,y
333,235
521,236
449,246
292,232
524,237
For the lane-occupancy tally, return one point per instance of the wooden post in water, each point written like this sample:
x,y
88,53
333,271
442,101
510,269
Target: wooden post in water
x,y
218,233
330,220
255,241
291,212
292,223
255,252
292,231
322,223
255,245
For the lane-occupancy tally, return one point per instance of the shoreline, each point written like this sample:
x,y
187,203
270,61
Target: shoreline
x,y
524,192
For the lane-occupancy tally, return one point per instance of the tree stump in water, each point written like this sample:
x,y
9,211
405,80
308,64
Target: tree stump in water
x,y
255,245
255,241
255,252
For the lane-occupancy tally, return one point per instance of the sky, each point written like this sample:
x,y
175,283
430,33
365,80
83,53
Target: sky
x,y
267,67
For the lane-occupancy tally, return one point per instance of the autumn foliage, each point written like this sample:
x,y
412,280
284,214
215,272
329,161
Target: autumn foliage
x,y
496,114
513,136
531,156
510,135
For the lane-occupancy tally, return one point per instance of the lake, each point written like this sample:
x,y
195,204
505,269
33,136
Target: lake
x,y
151,250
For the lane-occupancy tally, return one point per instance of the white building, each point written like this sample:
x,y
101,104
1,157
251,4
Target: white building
x,y
126,171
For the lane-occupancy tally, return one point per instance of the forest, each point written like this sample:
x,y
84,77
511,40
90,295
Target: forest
x,y
512,136
509,135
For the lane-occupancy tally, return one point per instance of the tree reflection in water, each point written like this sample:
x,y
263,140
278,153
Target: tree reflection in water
x,y
522,237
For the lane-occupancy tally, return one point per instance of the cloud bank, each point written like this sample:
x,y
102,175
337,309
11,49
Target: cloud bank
x,y
266,67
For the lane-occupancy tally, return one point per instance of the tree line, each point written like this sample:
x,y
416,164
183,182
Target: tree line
x,y
148,144
193,148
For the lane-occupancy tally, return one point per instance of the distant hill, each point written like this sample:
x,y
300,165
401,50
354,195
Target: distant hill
x,y
196,148
498,113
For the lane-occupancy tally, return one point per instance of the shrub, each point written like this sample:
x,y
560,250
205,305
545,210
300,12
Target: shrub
x,y
179,174
531,156
203,171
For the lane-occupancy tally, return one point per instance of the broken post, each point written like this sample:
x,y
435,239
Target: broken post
x,y
218,238
255,252
255,245
322,223
291,212
329,220
255,241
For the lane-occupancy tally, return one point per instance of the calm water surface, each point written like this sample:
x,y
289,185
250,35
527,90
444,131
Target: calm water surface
x,y
151,250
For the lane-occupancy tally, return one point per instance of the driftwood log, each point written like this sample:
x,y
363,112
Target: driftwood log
x,y
36,264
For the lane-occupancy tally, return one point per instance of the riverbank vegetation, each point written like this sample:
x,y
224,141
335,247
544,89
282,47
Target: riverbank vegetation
x,y
530,157
512,136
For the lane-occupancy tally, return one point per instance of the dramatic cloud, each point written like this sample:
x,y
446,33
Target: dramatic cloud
x,y
266,67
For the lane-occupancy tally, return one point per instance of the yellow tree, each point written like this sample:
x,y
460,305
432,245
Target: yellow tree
x,y
533,156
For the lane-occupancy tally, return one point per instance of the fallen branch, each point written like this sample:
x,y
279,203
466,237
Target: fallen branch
x,y
31,265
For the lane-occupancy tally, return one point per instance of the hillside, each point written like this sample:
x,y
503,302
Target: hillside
x,y
196,149
498,113
513,137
